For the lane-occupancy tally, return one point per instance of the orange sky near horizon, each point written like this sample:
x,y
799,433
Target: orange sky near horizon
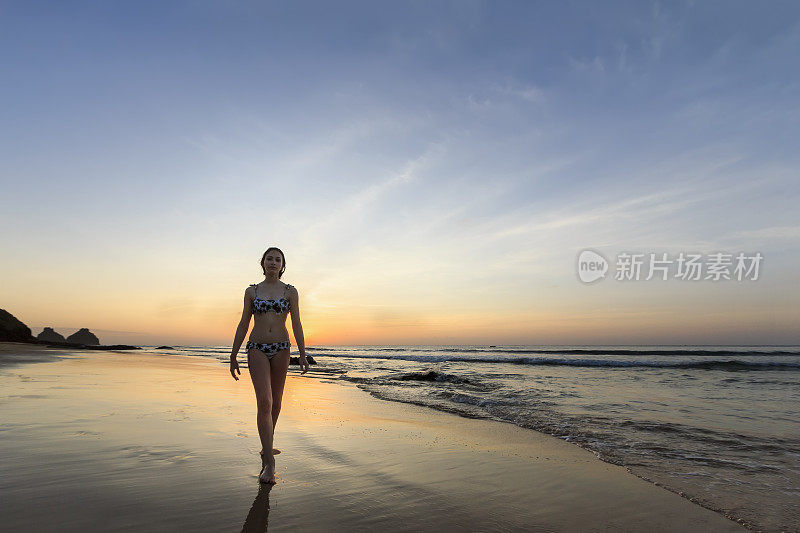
x,y
559,311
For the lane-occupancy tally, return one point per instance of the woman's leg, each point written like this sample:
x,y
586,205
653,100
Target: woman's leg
x,y
279,364
260,374
279,367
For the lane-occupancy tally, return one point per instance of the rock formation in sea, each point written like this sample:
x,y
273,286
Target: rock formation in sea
x,y
50,335
12,329
83,336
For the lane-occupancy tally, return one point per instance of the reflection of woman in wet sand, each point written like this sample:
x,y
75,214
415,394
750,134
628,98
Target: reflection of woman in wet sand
x,y
257,520
268,348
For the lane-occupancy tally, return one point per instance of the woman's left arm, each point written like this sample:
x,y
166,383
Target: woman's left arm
x,y
297,327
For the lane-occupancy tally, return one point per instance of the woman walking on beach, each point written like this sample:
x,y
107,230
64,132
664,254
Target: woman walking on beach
x,y
268,347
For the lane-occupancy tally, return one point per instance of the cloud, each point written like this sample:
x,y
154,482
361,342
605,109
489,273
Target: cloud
x,y
594,65
769,233
504,95
525,92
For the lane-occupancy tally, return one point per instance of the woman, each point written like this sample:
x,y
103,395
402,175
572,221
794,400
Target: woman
x,y
268,347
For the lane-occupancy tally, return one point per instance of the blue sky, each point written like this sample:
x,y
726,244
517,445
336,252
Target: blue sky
x,y
459,151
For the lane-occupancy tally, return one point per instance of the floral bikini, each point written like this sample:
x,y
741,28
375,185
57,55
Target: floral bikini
x,y
279,306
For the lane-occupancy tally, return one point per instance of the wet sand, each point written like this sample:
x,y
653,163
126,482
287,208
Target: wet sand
x,y
122,441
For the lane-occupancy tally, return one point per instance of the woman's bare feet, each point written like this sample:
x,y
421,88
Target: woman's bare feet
x,y
275,451
268,473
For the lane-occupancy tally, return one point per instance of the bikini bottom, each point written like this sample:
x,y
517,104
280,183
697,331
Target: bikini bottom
x,y
269,348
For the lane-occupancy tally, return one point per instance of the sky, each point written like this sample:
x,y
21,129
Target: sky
x,y
430,169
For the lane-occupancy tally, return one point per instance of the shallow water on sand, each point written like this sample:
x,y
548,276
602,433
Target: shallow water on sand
x,y
719,425
131,442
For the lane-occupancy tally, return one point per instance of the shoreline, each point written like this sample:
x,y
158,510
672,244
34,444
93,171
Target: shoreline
x,y
402,463
694,500
19,353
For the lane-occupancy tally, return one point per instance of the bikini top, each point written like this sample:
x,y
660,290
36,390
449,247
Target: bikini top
x,y
279,306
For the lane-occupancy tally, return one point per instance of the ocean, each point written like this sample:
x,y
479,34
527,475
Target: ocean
x,y
719,425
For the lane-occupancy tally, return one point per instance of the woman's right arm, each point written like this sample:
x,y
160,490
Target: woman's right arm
x,y
244,324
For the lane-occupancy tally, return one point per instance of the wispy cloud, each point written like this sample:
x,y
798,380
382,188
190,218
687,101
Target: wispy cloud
x,y
770,233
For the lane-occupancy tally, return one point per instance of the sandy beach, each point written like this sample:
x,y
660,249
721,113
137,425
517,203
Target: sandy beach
x,y
122,441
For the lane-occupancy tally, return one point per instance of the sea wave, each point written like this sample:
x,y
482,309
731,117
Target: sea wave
x,y
697,365
722,364
553,351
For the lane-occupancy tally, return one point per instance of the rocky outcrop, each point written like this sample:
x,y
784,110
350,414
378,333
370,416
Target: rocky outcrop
x,y
296,360
50,335
12,330
83,336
